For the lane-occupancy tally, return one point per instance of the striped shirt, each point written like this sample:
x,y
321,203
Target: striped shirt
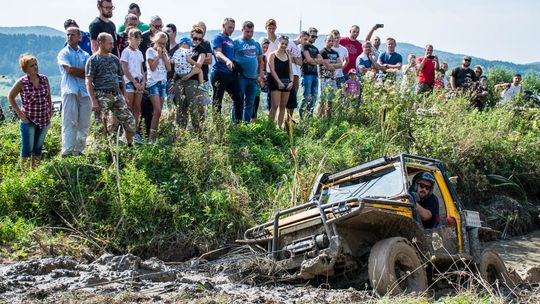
x,y
35,101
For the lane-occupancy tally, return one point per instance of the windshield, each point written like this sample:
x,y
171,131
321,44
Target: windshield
x,y
386,183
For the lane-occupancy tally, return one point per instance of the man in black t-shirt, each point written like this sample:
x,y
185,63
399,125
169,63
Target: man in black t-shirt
x,y
331,62
103,24
311,58
463,77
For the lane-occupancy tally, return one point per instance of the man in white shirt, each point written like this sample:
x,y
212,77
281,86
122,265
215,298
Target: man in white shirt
x,y
510,90
343,56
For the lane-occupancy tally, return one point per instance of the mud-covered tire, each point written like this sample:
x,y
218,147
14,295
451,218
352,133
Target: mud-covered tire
x,y
394,268
492,269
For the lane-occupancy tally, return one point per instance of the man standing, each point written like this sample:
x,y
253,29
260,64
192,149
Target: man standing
x,y
390,60
330,63
224,73
427,65
510,90
135,10
103,77
76,105
353,46
270,26
343,56
103,24
312,58
463,77
249,56
156,24
84,43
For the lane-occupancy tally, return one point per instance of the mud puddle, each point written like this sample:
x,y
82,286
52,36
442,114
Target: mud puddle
x,y
127,278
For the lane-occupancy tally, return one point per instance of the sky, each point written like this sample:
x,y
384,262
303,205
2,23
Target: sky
x,y
491,29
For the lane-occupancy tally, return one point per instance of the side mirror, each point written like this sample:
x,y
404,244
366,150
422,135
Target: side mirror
x,y
453,180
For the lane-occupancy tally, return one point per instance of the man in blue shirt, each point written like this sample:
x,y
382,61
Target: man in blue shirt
x,y
225,72
390,60
76,105
248,54
84,43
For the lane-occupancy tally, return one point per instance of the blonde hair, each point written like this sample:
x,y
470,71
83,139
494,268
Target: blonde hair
x,y
159,36
25,59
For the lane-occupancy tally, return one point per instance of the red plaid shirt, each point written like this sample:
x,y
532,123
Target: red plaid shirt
x,y
35,101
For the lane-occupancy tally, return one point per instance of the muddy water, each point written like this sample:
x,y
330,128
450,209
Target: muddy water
x,y
67,280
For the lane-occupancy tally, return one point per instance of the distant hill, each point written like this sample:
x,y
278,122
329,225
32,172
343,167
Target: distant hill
x,y
35,30
45,42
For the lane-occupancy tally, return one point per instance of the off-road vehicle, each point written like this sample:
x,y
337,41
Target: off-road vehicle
x,y
362,224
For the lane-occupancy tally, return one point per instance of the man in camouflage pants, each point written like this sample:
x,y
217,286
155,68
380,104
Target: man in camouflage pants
x,y
103,77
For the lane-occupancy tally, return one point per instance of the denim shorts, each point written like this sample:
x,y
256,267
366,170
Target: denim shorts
x,y
159,88
130,88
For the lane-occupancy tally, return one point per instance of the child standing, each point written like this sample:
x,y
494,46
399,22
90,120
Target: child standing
x,y
157,65
352,86
132,64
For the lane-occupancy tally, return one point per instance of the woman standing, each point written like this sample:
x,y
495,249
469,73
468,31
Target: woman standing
x,y
281,81
157,66
36,110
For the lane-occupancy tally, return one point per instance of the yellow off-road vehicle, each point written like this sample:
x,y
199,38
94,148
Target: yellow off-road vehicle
x,y
362,225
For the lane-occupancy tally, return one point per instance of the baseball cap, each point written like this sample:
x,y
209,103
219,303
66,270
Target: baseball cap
x,y
352,71
186,39
265,41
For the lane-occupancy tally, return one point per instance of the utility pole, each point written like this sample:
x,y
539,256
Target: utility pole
x,y
300,24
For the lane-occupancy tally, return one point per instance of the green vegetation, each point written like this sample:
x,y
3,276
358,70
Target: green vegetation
x,y
193,192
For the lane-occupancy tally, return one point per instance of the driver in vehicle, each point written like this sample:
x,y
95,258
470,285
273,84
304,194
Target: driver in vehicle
x,y
427,203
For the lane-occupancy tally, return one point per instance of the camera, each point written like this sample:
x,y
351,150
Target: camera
x,y
380,25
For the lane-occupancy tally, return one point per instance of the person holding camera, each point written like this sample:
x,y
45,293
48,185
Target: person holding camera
x,y
376,40
427,65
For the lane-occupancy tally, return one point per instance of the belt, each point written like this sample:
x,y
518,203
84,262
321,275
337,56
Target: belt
x,y
111,92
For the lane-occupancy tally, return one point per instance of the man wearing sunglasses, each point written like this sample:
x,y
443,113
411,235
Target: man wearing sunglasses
x,y
103,24
427,204
311,58
463,77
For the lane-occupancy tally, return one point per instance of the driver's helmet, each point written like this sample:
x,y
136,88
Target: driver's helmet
x,y
427,176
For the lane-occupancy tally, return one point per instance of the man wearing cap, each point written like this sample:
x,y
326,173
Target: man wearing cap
x,y
463,77
248,54
136,10
427,204
84,43
427,65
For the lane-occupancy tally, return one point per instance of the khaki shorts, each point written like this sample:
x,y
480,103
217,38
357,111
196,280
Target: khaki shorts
x,y
118,106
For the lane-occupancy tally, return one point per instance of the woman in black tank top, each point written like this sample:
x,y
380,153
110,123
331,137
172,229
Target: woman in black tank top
x,y
280,81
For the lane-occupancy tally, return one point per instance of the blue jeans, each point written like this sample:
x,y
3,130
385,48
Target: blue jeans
x,y
311,88
248,87
32,139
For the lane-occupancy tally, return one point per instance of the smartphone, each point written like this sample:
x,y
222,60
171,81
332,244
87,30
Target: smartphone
x,y
380,25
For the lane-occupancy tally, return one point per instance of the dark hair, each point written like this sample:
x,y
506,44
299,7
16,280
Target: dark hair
x,y
100,2
228,19
313,30
70,22
304,33
135,5
517,75
171,26
248,24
